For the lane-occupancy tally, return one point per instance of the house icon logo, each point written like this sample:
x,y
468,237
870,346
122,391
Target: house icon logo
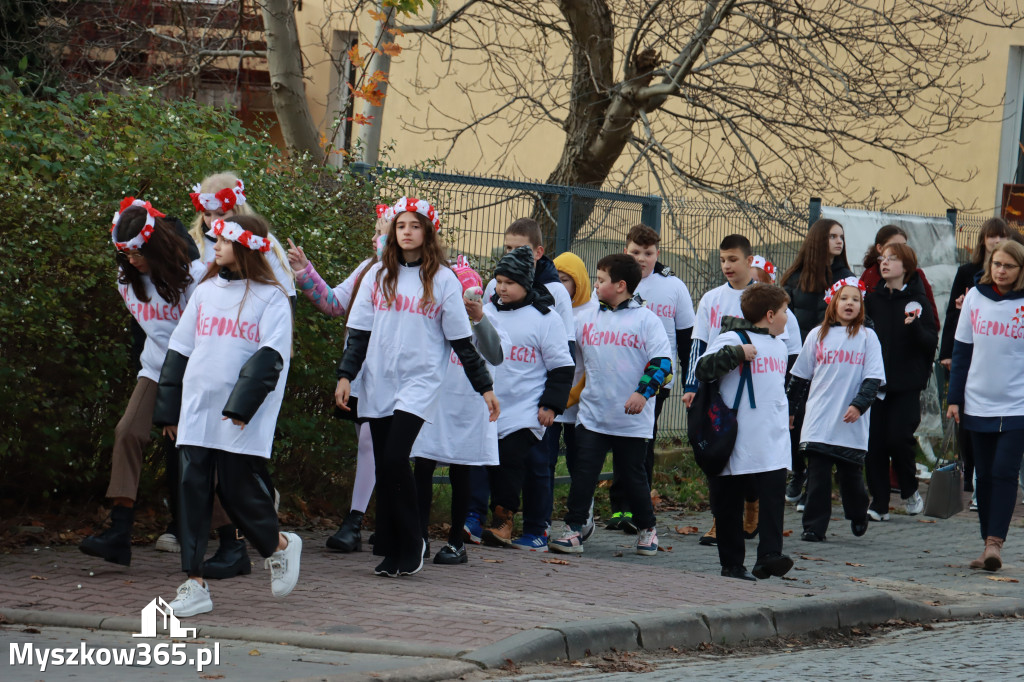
x,y
152,612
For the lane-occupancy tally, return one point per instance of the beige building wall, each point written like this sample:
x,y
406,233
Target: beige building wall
x,y
988,149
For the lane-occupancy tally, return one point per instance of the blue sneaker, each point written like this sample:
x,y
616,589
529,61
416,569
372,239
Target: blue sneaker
x,y
647,542
472,529
571,541
534,543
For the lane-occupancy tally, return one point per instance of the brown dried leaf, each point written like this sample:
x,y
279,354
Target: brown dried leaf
x,y
810,558
787,533
687,530
1002,579
926,520
858,580
37,577
850,563
560,562
663,548
494,561
255,652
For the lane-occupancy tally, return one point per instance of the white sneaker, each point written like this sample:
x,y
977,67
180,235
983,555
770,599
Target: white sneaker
x,y
168,543
192,599
284,566
588,527
915,504
875,516
647,542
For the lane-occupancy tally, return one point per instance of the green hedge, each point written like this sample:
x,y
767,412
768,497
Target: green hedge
x,y
65,373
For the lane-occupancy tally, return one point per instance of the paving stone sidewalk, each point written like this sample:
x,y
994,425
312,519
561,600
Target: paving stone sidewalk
x,y
446,610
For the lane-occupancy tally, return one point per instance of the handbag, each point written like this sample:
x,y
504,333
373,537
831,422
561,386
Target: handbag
x,y
712,425
944,491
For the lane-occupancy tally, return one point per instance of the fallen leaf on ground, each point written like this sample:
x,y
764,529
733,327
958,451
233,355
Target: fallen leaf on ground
x,y
495,561
255,652
560,562
1002,579
687,530
810,558
663,548
37,577
858,580
933,603
787,533
850,563
787,578
926,520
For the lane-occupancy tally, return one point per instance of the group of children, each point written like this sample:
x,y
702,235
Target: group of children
x,y
438,369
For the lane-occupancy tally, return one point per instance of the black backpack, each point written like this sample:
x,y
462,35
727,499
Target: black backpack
x,y
711,424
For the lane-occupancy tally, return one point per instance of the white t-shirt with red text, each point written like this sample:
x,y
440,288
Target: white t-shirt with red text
x,y
158,318
563,303
762,436
836,367
616,347
667,297
221,328
409,344
462,432
537,345
996,328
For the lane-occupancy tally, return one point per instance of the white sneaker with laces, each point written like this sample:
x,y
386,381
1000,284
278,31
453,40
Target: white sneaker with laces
x,y
875,516
284,566
647,542
192,599
571,541
168,543
915,504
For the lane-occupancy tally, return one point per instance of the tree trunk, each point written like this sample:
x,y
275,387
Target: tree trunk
x,y
369,134
284,61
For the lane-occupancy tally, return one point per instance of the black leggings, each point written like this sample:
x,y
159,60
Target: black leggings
x,y
398,533
458,474
241,483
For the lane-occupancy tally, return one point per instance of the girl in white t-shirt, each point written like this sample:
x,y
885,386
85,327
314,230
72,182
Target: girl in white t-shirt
x,y
222,195
337,302
838,375
220,393
155,278
401,331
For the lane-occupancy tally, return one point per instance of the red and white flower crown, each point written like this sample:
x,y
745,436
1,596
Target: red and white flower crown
x,y
414,205
381,210
236,233
845,282
764,264
223,200
136,242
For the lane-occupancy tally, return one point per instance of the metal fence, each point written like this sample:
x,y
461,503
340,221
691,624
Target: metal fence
x,y
592,223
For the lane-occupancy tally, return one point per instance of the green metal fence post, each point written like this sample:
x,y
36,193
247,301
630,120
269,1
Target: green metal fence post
x,y
650,213
564,227
951,217
813,211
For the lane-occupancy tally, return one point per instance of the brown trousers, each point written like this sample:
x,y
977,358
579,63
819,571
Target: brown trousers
x,y
131,437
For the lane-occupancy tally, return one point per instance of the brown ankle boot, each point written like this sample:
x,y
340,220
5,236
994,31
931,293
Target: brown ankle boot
x,y
992,560
750,511
710,539
500,532
978,563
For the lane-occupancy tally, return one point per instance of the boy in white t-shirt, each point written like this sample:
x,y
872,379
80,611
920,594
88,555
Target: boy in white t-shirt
x,y
762,451
537,488
626,354
667,297
532,384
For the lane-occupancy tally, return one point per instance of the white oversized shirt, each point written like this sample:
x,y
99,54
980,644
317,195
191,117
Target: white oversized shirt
x,y
569,416
462,432
616,347
762,437
836,367
667,297
538,345
996,328
409,345
563,304
158,318
221,328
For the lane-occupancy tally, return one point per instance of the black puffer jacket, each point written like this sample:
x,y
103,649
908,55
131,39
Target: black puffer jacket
x,y
908,350
809,306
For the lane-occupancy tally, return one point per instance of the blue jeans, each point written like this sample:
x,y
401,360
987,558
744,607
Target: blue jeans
x,y
997,458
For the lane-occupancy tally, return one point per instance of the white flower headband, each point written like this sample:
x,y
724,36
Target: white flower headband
x,y
136,242
764,264
414,205
236,233
223,200
845,282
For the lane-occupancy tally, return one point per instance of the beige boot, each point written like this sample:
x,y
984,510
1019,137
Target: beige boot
x,y
500,532
750,511
710,538
978,563
992,560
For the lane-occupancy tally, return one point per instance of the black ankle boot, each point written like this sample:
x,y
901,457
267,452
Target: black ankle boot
x,y
348,537
230,559
115,543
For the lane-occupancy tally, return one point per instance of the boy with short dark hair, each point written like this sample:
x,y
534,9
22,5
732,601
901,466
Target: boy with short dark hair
x,y
761,455
667,297
625,353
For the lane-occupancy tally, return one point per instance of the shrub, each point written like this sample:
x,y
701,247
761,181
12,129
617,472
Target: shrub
x,y
65,376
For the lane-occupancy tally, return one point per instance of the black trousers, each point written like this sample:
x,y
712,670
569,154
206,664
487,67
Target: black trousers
x,y
966,445
799,464
398,534
727,497
506,479
818,510
628,463
617,493
997,457
893,422
458,474
240,482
